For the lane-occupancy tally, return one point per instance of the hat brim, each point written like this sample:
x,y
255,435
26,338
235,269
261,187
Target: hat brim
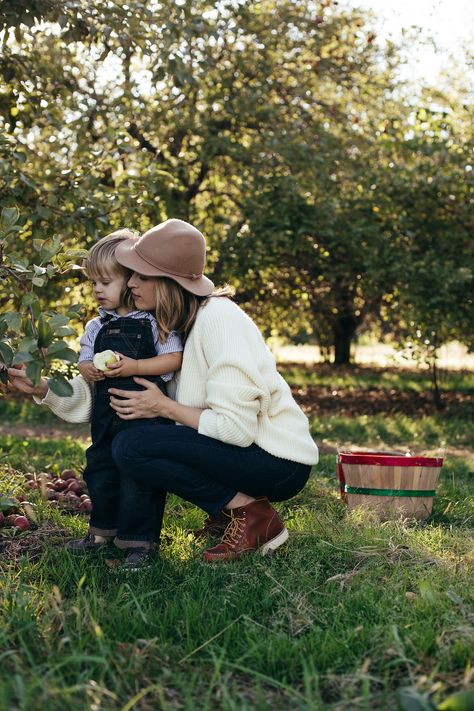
x,y
126,255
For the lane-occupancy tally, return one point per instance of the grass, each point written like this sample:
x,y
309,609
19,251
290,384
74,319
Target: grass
x,y
350,611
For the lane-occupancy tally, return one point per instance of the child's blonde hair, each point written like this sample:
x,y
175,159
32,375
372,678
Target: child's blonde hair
x,y
101,262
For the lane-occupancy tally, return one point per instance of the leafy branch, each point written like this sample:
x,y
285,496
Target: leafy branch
x,y
30,336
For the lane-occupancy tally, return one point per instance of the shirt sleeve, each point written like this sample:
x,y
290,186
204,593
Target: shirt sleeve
x,y
173,344
88,339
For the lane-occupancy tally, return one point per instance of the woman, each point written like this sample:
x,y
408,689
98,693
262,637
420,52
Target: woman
x,y
242,441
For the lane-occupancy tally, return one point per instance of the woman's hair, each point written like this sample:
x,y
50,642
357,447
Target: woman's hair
x,y
177,308
101,262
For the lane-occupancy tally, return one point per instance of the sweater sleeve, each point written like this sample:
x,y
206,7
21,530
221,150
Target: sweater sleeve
x,y
74,408
235,392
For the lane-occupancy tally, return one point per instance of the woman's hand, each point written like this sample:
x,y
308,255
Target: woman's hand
x,y
140,404
19,381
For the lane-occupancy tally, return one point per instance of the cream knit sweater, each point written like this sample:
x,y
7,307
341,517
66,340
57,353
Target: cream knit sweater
x,y
229,372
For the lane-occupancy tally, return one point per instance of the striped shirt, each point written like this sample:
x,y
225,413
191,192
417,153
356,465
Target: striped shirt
x,y
171,345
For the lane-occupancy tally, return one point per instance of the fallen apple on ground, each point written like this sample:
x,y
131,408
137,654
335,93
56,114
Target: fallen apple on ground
x,y
66,492
22,523
105,358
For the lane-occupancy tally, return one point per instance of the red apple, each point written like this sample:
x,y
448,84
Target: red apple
x,y
85,506
22,523
84,497
75,486
60,485
32,484
10,519
68,474
52,495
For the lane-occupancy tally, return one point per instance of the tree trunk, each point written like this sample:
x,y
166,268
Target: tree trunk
x,y
438,401
344,330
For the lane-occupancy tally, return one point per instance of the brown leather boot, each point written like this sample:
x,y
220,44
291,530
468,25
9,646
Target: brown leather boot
x,y
253,527
214,526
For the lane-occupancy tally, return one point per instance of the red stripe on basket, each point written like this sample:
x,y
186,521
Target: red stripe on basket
x,y
387,460
342,479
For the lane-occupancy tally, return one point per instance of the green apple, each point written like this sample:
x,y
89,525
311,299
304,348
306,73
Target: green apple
x,y
105,358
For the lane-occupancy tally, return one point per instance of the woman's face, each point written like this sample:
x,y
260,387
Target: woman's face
x,y
144,291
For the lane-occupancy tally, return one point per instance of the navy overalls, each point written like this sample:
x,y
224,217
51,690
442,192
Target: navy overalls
x,y
133,338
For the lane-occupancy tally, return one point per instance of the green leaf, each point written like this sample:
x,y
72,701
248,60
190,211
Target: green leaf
x,y
50,248
7,502
12,319
22,357
28,344
6,353
58,320
9,216
38,281
60,386
461,701
29,329
67,354
64,331
75,311
33,372
29,300
45,332
410,700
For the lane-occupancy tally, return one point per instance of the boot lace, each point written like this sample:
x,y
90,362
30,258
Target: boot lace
x,y
234,530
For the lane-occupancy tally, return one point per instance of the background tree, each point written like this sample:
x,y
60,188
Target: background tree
x,y
280,129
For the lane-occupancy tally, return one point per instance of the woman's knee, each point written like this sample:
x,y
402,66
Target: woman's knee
x,y
142,443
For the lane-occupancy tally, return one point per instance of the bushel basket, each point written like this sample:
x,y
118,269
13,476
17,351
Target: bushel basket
x,y
389,483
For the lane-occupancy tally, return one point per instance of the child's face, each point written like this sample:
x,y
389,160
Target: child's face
x,y
108,290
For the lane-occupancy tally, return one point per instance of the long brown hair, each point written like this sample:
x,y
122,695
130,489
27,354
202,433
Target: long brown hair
x,y
177,308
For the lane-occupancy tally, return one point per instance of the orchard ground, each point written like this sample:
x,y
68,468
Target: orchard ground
x,y
348,613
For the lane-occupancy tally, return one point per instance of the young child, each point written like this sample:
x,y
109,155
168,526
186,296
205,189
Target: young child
x,y
133,336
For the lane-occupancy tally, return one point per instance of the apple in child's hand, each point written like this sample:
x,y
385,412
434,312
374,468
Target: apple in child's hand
x,y
105,358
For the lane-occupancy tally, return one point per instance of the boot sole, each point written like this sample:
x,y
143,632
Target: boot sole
x,y
275,543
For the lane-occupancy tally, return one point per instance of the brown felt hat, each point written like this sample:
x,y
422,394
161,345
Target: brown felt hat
x,y
173,249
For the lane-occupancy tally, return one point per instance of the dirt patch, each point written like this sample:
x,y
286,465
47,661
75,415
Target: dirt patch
x,y
322,400
78,432
33,543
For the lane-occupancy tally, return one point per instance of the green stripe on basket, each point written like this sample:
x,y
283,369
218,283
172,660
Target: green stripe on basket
x,y
389,492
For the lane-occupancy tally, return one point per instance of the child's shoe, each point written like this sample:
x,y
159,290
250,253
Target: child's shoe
x,y
137,559
88,544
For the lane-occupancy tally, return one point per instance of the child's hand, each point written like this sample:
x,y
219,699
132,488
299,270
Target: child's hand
x,y
89,372
124,368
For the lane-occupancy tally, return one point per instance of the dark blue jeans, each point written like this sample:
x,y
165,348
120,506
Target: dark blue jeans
x,y
205,471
